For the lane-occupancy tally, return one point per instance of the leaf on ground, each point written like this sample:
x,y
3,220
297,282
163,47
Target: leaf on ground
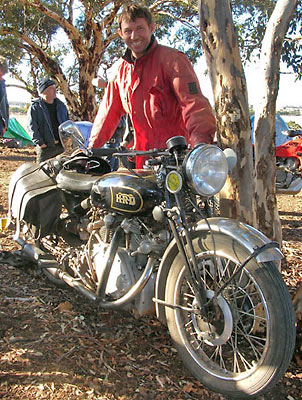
x,y
66,306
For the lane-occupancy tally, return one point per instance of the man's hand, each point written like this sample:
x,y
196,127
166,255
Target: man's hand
x,y
99,82
124,144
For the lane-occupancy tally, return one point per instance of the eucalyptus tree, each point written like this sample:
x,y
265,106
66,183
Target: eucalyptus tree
x,y
269,31
267,218
13,19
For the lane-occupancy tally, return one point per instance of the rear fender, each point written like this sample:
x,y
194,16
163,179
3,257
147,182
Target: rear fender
x,y
237,235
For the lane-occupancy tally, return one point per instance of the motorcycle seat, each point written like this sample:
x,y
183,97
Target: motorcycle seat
x,y
74,181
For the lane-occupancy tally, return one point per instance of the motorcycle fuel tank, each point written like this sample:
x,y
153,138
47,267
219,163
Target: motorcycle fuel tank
x,y
125,193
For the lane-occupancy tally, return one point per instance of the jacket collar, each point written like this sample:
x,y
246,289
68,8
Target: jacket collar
x,y
128,55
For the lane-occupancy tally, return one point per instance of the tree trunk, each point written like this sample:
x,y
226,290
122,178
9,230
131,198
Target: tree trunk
x,y
267,217
220,45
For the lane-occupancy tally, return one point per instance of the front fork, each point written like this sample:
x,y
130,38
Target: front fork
x,y
181,233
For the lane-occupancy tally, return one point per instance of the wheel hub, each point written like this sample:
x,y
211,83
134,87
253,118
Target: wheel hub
x,y
217,331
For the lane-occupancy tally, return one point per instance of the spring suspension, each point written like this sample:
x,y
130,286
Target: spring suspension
x,y
189,206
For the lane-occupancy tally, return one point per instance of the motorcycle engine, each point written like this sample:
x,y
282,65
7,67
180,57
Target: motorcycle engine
x,y
121,276
128,264
84,249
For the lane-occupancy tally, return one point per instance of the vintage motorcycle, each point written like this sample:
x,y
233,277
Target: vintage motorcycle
x,y
144,241
289,163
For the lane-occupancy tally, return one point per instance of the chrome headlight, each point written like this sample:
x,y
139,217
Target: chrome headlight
x,y
206,169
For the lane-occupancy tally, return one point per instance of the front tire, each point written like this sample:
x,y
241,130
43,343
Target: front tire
x,y
247,349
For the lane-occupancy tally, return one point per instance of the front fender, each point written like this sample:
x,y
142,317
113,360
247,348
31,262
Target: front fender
x,y
236,232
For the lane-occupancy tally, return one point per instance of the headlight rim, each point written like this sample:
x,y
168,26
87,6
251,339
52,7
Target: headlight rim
x,y
187,171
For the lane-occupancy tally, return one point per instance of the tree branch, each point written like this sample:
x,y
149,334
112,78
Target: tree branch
x,y
66,25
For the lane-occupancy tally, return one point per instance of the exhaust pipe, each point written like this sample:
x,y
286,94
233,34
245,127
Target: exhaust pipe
x,y
46,261
293,188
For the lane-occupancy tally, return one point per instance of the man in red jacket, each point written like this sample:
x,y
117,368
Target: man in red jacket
x,y
157,86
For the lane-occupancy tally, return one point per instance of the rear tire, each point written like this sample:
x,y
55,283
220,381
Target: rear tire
x,y
248,350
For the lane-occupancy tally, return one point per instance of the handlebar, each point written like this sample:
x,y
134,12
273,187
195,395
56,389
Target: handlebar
x,y
102,152
121,151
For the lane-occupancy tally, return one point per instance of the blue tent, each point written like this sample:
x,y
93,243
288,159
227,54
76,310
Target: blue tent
x,y
281,127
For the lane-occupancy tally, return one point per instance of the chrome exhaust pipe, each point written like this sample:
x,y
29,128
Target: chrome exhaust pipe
x,y
46,261
293,188
134,291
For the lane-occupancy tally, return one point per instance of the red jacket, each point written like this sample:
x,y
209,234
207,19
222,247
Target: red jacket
x,y
161,93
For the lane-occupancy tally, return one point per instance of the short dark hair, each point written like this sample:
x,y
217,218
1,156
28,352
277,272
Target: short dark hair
x,y
133,11
3,64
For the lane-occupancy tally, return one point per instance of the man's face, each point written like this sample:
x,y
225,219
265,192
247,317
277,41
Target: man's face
x,y
137,35
49,94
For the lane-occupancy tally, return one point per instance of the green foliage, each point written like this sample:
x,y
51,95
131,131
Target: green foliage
x,y
287,111
184,34
16,20
22,109
251,18
16,17
292,46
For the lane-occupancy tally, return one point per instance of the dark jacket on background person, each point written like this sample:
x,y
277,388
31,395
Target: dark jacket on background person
x,y
4,108
39,124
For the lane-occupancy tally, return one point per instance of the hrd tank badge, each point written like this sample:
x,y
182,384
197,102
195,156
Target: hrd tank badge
x,y
126,199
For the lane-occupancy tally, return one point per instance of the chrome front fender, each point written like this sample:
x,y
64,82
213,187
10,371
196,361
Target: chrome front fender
x,y
238,234
244,234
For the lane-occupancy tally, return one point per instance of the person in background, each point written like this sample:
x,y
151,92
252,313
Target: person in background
x,y
4,108
157,86
45,114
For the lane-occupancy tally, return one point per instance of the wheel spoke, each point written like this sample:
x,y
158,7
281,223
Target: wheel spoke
x,y
245,363
251,340
252,315
223,268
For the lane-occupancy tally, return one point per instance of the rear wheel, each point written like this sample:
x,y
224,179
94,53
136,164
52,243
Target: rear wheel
x,y
245,343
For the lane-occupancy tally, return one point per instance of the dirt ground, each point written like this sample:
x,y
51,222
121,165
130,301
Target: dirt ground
x,y
56,345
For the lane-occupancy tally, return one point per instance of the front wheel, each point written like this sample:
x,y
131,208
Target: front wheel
x,y
242,346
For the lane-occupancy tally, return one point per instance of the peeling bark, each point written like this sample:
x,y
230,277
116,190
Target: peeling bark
x,y
220,45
